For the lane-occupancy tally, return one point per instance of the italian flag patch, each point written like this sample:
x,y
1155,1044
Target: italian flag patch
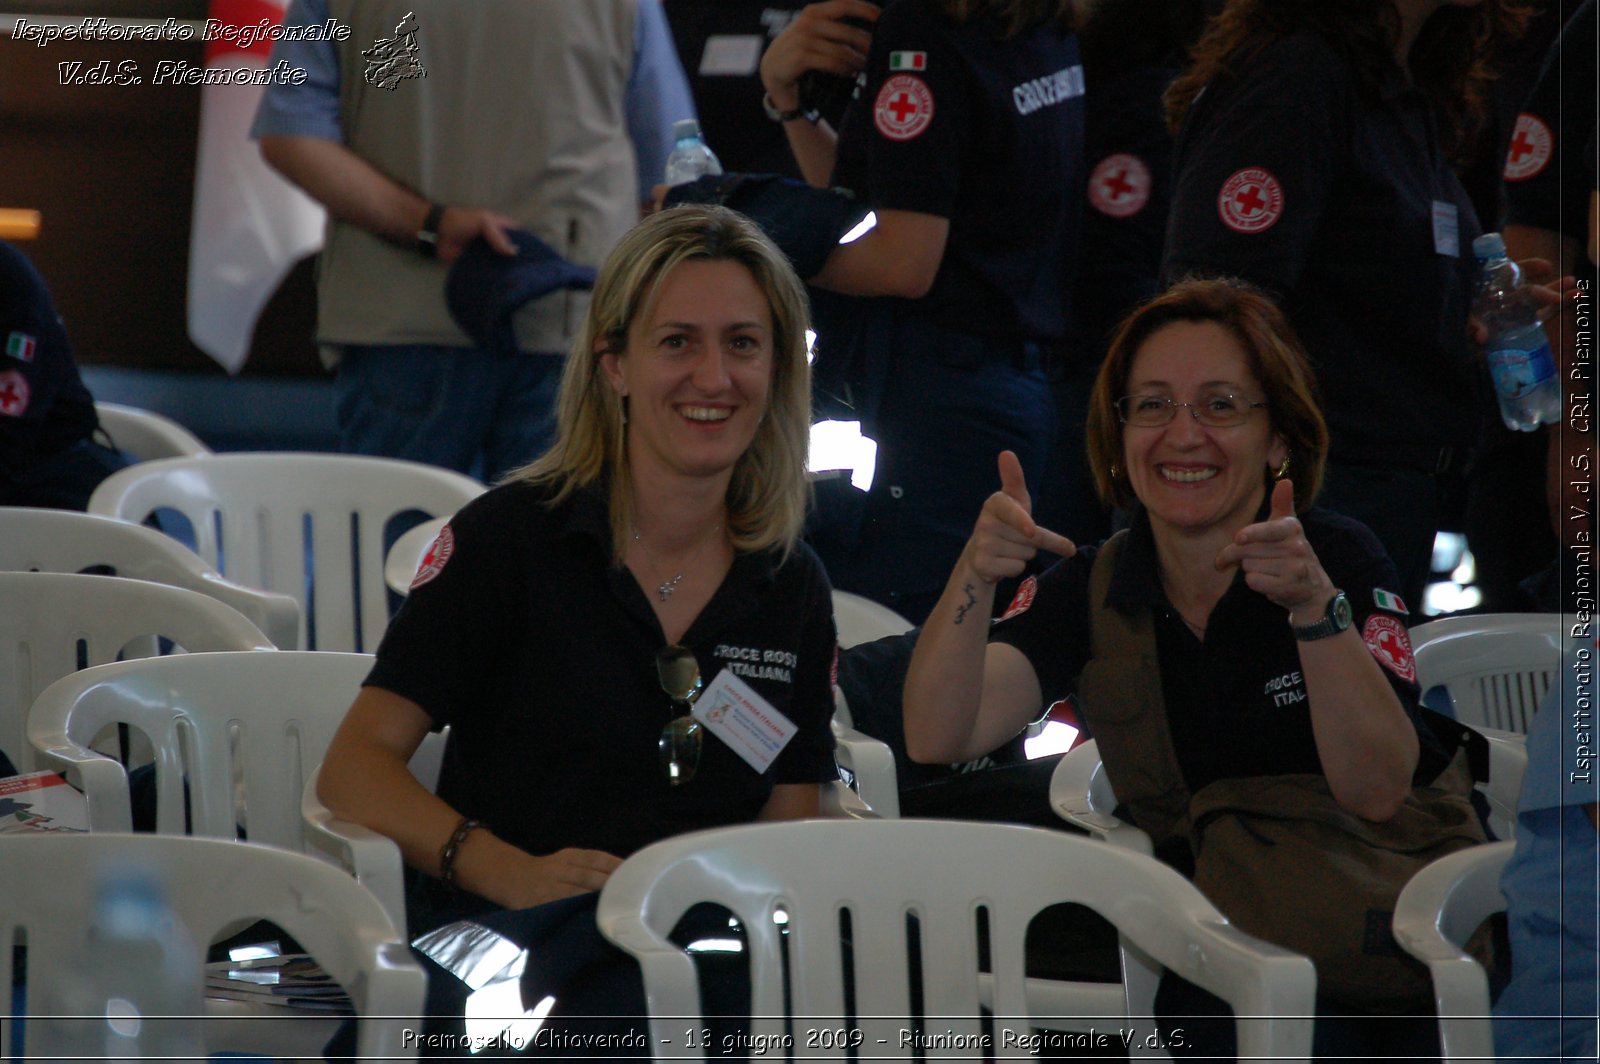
x,y
908,60
19,345
1388,600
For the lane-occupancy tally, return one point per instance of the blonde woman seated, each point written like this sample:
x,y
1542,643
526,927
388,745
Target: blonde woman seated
x,y
564,622
1275,642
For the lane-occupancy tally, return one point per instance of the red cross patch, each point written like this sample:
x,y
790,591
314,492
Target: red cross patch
x,y
1120,185
1251,201
433,561
14,393
1023,598
1389,642
904,107
1530,148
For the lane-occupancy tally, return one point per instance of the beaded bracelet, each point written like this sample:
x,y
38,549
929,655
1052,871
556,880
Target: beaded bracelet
x,y
447,852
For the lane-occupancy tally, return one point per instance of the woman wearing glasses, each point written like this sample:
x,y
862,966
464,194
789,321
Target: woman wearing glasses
x,y
1279,646
565,622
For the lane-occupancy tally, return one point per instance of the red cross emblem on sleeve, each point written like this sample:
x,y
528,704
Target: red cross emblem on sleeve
x,y
433,561
904,108
1386,637
1120,185
1530,148
14,394
1251,201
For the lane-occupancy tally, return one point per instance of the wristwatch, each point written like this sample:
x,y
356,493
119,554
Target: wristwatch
x,y
809,114
428,235
1334,620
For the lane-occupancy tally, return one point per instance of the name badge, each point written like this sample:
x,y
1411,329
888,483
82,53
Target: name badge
x,y
730,55
1446,229
731,710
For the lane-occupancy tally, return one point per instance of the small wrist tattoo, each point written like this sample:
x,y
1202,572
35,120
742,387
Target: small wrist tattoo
x,y
972,600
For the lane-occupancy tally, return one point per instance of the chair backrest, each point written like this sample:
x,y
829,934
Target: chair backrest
x,y
237,735
1496,667
147,435
1437,912
312,526
49,882
65,541
406,556
882,906
861,620
53,624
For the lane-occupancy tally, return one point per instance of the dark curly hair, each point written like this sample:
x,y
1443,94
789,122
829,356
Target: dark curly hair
x,y
1452,59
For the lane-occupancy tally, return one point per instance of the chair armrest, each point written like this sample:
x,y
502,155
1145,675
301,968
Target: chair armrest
x,y
839,801
373,859
1081,795
277,615
871,762
102,779
672,987
385,1002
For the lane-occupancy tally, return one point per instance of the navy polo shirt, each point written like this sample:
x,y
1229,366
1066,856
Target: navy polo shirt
x,y
1547,174
540,654
1343,204
44,407
1236,704
958,121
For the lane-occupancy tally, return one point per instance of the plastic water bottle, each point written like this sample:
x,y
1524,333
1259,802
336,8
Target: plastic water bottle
x,y
1520,363
134,990
690,157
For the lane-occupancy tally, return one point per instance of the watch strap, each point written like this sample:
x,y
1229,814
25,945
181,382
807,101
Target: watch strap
x,y
1334,620
798,113
428,235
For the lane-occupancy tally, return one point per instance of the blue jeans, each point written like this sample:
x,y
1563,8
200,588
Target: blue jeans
x,y
952,405
457,407
1401,506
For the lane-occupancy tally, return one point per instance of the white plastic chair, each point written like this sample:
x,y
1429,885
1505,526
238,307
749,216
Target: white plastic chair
x,y
1081,794
309,525
147,435
64,541
405,557
1438,911
49,882
861,620
791,885
1496,667
53,624
242,730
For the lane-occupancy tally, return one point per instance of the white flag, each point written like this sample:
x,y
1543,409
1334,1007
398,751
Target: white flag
x,y
250,225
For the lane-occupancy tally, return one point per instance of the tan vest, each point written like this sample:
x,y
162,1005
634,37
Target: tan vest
x,y
520,111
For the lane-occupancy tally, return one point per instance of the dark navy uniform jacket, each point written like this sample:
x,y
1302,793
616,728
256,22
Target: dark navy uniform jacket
x,y
44,407
1236,704
1548,165
957,122
1345,206
540,655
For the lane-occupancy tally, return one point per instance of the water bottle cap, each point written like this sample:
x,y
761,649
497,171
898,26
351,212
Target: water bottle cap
x,y
1489,246
686,128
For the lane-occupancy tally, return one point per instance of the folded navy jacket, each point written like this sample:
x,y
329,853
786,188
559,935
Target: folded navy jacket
x,y
485,288
805,222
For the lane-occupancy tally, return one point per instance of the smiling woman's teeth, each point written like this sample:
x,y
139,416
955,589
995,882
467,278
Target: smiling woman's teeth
x,y
703,413
1188,476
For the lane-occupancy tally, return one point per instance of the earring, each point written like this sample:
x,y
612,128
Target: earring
x,y
1282,470
1116,471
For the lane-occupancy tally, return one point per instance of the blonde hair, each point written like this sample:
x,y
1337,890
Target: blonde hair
x,y
1271,349
768,494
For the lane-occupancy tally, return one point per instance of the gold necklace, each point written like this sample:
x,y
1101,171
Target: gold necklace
x,y
667,587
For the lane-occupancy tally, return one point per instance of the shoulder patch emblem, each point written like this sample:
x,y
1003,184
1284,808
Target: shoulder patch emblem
x,y
433,562
1251,201
1023,598
1120,185
1391,645
14,394
904,109
1530,149
1388,600
20,346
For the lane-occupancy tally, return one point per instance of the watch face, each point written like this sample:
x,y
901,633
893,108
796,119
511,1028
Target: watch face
x,y
1339,610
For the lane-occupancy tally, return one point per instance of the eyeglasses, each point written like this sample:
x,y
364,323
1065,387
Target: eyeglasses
x,y
1219,411
681,739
